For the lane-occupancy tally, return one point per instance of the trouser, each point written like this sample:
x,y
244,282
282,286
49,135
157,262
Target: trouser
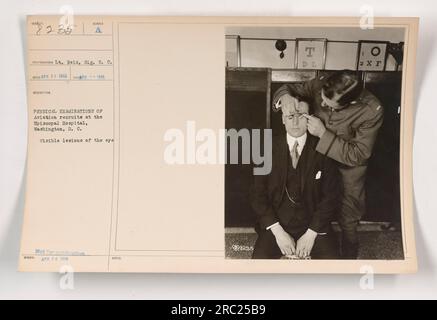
x,y
352,210
325,246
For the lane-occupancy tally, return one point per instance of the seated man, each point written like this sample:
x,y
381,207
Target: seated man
x,y
347,118
297,201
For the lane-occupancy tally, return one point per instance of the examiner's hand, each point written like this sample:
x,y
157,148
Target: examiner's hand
x,y
285,242
291,106
315,126
305,243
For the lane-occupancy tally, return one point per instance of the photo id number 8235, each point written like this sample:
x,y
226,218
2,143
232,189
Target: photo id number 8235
x,y
240,309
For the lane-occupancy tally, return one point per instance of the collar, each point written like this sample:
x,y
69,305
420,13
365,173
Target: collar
x,y
300,142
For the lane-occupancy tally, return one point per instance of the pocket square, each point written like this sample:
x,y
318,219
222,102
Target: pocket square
x,y
318,175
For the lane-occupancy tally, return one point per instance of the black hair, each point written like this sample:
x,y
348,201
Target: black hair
x,y
341,83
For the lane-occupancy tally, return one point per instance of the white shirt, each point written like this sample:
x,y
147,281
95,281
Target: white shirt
x,y
300,142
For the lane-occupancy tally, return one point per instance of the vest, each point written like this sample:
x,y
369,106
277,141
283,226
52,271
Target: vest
x,y
291,213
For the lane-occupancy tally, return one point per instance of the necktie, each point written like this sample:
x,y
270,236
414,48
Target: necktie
x,y
294,155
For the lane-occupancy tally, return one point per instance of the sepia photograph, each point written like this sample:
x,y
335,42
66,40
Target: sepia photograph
x,y
328,104
295,145
219,156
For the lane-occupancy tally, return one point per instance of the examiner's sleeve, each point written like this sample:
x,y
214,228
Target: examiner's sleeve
x,y
306,90
355,151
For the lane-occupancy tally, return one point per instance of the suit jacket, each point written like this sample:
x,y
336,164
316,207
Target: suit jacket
x,y
321,186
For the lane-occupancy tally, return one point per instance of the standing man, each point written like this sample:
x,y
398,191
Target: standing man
x,y
296,202
346,118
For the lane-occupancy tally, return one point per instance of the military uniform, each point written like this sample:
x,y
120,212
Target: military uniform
x,y
349,139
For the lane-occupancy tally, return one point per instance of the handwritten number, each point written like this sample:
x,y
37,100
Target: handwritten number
x,y
38,32
64,30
